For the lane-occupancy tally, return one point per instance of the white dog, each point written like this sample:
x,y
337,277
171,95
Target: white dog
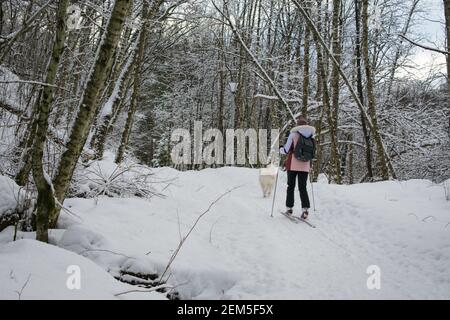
x,y
267,178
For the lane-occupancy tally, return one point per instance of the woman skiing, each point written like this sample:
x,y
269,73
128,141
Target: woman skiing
x,y
298,163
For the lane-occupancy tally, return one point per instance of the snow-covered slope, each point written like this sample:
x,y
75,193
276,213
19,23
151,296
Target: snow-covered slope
x,y
237,251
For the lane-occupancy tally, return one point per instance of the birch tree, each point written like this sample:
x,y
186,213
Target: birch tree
x,y
447,35
147,13
382,164
333,111
360,89
46,197
89,104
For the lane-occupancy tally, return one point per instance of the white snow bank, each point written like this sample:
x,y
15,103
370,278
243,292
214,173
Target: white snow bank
x,y
34,270
94,246
7,235
12,201
10,195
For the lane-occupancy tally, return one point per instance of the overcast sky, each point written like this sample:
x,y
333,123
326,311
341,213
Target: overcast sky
x,y
430,23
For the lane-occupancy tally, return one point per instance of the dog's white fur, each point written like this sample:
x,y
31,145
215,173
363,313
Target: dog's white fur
x,y
267,178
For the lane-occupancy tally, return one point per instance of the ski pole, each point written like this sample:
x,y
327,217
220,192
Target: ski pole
x,y
312,191
274,193
276,183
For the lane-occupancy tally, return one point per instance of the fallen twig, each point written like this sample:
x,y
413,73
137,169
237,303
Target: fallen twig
x,y
23,287
164,286
183,240
105,250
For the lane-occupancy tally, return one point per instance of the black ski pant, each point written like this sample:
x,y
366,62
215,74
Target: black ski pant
x,y
302,181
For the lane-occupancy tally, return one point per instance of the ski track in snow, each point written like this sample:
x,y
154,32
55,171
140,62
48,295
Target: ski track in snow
x,y
237,251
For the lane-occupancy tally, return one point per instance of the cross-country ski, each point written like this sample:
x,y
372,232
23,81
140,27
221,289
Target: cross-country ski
x,y
296,219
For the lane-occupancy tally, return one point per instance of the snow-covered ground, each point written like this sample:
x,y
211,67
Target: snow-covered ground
x,y
32,270
237,251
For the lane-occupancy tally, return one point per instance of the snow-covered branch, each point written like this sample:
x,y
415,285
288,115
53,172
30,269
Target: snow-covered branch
x,y
423,46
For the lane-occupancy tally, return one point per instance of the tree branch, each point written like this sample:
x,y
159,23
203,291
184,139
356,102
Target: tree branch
x,y
35,83
19,293
9,40
423,46
275,98
12,109
255,60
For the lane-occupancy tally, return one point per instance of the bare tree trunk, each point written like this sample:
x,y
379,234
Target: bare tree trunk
x,y
319,26
350,160
25,146
1,17
317,167
306,59
89,104
323,76
222,84
99,139
121,56
46,197
384,171
333,111
136,88
447,27
359,86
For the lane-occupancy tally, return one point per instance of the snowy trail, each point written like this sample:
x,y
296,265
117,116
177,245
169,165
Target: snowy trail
x,y
238,251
